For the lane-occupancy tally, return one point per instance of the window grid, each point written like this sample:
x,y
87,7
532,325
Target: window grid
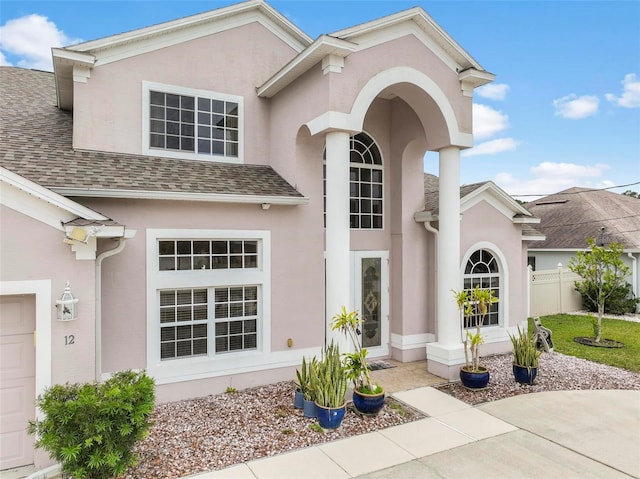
x,y
236,314
202,125
183,323
482,270
365,184
207,254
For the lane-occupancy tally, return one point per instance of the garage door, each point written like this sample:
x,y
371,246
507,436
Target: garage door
x,y
17,379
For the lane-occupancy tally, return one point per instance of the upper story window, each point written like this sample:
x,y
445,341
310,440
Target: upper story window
x,y
191,124
365,183
482,270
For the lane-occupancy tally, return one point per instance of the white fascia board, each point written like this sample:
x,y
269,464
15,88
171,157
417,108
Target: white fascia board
x,y
136,42
47,195
526,220
70,56
529,237
183,196
312,55
509,205
426,24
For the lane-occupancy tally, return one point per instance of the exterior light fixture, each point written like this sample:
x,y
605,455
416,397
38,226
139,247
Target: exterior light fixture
x,y
67,305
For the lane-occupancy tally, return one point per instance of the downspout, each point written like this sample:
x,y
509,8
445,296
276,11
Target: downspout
x,y
99,259
634,277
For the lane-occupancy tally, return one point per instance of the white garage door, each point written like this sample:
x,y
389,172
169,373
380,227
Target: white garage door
x,y
17,379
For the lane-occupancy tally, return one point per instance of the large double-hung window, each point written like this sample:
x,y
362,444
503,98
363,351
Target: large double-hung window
x,y
191,124
208,292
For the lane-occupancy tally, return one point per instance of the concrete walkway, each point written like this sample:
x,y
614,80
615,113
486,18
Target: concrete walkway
x,y
567,434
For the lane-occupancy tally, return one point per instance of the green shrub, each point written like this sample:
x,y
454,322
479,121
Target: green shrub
x,y
91,428
620,301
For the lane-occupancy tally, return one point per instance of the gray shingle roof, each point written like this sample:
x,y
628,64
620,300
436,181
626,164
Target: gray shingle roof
x,y
37,144
431,189
571,216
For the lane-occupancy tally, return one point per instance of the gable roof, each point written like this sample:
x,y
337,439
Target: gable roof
x,y
472,194
37,144
571,216
359,37
80,58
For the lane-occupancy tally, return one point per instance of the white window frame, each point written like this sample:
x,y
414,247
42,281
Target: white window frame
x,y
148,86
492,331
195,367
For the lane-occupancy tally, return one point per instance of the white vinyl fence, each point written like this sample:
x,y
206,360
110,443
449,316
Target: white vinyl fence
x,y
552,291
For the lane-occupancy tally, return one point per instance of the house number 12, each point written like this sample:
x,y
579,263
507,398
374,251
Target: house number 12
x,y
71,339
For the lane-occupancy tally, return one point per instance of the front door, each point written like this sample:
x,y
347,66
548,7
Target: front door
x,y
371,299
17,379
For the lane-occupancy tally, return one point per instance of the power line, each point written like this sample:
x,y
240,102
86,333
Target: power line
x,y
586,190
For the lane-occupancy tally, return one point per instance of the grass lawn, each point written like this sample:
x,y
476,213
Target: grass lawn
x,y
565,327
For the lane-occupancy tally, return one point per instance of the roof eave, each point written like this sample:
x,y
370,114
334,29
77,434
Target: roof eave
x,y
183,196
324,45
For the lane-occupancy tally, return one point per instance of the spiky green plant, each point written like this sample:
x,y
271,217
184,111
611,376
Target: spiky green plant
x,y
525,352
328,378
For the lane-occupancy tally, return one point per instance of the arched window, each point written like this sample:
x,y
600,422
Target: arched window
x,y
365,183
482,270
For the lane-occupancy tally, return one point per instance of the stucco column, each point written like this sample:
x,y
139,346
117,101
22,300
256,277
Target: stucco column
x,y
449,247
446,354
337,232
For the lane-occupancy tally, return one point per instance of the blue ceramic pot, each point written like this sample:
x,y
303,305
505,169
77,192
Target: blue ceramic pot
x,y
309,408
298,400
368,404
330,418
474,380
524,375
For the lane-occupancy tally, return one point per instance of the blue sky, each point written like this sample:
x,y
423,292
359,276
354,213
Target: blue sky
x,y
563,111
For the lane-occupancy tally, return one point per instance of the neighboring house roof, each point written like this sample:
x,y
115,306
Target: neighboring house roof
x,y
571,216
471,195
37,144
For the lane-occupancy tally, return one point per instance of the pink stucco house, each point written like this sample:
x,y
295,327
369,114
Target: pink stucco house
x,y
215,188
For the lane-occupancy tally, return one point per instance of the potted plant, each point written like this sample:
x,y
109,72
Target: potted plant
x,y
329,383
474,305
525,357
368,398
303,386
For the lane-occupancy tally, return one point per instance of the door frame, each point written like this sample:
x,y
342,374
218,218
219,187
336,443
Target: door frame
x,y
356,296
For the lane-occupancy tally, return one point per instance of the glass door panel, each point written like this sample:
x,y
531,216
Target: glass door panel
x,y
371,302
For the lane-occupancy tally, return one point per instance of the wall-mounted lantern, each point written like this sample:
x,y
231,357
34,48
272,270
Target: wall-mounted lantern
x,y
67,305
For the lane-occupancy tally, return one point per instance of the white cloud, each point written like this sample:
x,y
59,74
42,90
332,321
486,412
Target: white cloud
x,y
550,177
575,108
31,38
630,92
492,147
493,91
3,61
487,121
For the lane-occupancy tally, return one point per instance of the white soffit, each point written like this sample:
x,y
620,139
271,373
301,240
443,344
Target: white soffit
x,y
41,203
497,198
311,56
428,32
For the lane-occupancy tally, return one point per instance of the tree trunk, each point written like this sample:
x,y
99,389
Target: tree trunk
x,y
600,313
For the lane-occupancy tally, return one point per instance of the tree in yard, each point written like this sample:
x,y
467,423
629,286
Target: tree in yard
x,y
604,270
633,194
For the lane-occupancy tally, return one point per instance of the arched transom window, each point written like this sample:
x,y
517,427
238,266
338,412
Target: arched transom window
x,y
482,270
365,183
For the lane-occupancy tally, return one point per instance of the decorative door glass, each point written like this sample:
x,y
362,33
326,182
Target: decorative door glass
x,y
371,307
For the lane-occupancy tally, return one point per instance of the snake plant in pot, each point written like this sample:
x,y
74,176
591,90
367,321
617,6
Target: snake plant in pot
x,y
525,357
474,305
368,398
329,383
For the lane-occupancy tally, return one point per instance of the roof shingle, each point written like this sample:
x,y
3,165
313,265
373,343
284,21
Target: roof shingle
x,y
37,144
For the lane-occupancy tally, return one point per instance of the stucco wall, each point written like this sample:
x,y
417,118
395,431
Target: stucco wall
x,y
31,250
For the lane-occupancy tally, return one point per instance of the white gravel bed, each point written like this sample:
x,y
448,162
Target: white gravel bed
x,y
218,431
556,372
